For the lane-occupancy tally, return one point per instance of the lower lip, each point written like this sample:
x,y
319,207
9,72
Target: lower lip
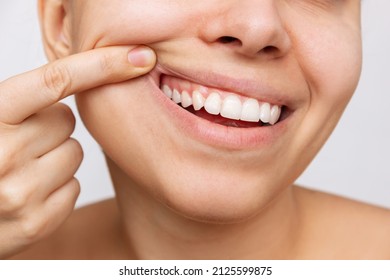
x,y
217,135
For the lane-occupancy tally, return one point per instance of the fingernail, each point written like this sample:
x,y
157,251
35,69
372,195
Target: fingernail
x,y
141,57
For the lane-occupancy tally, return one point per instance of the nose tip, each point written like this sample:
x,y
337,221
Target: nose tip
x,y
251,29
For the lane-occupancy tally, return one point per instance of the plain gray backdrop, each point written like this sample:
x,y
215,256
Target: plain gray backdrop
x,y
354,162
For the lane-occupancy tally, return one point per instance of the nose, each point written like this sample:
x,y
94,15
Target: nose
x,y
250,28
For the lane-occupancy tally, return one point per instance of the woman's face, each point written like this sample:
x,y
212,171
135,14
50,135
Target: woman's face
x,y
304,56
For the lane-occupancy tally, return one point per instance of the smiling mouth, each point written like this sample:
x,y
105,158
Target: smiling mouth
x,y
221,107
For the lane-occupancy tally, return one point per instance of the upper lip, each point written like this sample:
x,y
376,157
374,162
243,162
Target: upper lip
x,y
242,86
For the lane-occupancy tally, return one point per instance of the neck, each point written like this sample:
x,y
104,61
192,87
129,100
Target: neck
x,y
154,231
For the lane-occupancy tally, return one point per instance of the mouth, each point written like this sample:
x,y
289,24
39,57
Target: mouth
x,y
222,116
219,106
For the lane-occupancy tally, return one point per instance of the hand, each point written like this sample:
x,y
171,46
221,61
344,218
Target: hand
x,y
38,159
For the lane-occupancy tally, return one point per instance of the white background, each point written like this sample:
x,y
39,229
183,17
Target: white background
x,y
354,162
281,270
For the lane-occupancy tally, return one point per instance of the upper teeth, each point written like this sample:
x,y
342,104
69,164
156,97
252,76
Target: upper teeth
x,y
231,107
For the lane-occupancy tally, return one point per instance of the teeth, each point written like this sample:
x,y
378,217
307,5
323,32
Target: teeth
x,y
198,100
167,90
250,111
176,97
186,100
265,112
230,107
213,104
275,114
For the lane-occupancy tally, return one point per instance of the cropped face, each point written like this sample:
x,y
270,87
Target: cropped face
x,y
263,82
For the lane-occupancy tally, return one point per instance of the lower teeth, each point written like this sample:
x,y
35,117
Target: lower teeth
x,y
223,121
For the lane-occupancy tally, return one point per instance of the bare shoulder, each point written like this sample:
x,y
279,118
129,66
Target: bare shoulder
x,y
348,229
87,234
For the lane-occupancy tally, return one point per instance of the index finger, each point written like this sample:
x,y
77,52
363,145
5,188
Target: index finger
x,y
25,94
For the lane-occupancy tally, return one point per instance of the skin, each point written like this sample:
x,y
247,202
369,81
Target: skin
x,y
183,201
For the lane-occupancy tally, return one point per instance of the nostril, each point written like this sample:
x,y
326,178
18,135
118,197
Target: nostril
x,y
269,49
228,40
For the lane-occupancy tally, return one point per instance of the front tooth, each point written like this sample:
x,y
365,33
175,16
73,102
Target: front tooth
x,y
176,97
250,110
265,112
275,114
167,91
186,99
213,104
231,107
197,100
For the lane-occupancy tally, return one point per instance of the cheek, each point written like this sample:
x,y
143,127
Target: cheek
x,y
332,64
122,23
120,120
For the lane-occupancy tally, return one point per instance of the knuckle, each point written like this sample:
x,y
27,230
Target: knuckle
x,y
56,81
77,150
75,190
12,200
32,228
67,114
7,156
72,189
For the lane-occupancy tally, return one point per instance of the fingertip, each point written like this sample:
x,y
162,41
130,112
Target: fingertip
x,y
142,57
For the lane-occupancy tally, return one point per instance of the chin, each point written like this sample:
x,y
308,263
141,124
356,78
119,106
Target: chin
x,y
218,197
